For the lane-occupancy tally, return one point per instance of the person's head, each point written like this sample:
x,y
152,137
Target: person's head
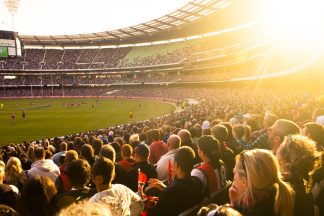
x,y
126,151
103,173
174,142
220,132
107,151
184,160
78,172
63,146
238,131
279,130
70,156
85,208
36,197
297,156
268,120
116,147
315,132
247,133
119,140
134,138
39,153
87,151
155,134
14,171
229,130
70,145
142,152
209,151
185,137
30,153
198,131
97,144
46,144
255,173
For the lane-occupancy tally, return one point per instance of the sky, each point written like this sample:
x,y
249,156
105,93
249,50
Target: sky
x,y
57,17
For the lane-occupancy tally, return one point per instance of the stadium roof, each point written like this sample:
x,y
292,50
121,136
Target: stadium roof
x,y
192,12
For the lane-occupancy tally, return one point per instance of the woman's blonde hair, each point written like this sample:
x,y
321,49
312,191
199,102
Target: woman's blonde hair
x,y
14,172
261,169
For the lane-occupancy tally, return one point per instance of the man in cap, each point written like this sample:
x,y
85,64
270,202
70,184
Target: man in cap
x,y
141,155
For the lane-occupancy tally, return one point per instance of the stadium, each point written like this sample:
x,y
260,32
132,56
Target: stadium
x,y
187,107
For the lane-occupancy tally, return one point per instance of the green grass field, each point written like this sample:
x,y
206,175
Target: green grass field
x,y
47,118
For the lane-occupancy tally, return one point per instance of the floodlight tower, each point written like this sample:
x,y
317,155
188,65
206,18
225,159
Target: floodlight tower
x,y
12,7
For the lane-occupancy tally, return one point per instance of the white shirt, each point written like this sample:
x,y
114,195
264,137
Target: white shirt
x,y
162,165
44,168
121,200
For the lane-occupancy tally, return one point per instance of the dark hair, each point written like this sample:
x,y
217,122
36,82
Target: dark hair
x,y
70,146
197,130
36,197
39,153
108,151
206,131
116,146
97,144
185,158
239,130
87,151
79,172
220,132
210,147
104,168
316,132
155,134
229,130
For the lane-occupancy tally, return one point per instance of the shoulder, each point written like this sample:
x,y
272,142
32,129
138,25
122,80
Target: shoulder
x,y
197,172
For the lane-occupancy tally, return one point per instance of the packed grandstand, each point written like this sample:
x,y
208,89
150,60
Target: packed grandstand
x,y
250,144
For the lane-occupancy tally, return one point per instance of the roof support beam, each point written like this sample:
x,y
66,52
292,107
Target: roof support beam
x,y
209,6
177,18
191,13
165,23
111,34
125,32
153,27
55,41
140,30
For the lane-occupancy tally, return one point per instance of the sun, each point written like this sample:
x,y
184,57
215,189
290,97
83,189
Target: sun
x,y
296,21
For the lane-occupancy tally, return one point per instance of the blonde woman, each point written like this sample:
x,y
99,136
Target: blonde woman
x,y
15,175
297,157
257,188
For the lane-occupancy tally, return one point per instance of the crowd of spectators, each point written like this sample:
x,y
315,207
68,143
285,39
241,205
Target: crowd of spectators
x,y
238,152
46,59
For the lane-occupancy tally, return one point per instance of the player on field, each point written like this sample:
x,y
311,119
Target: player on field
x,y
23,114
12,116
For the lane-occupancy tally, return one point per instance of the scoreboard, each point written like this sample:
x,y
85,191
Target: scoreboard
x,y
10,45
